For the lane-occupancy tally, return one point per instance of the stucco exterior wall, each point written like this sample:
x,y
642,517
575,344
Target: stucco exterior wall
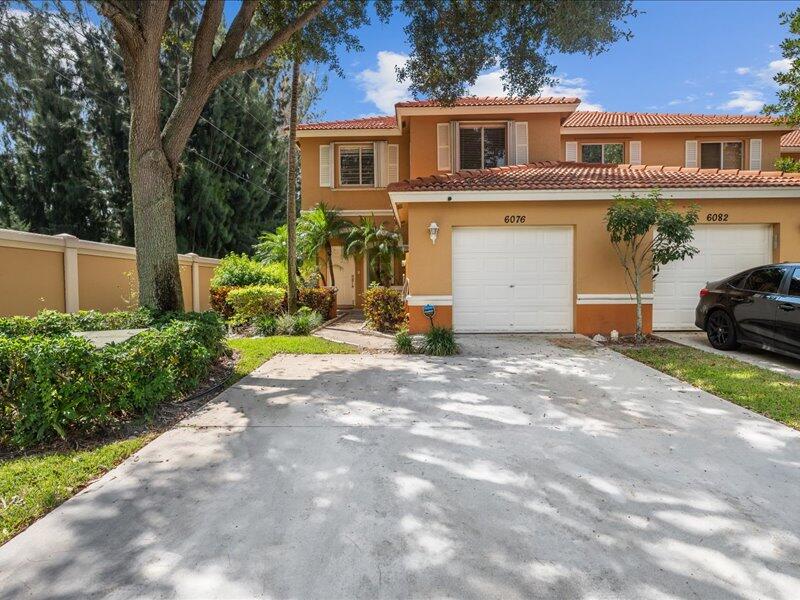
x,y
596,268
669,148
67,274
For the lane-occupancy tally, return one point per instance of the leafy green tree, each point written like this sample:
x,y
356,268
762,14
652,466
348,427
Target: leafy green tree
x,y
788,105
787,164
647,233
379,244
317,230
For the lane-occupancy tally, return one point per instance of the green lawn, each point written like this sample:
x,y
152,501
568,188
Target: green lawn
x,y
30,487
771,394
253,352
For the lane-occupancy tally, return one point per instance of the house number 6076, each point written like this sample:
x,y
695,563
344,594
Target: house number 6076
x,y
514,218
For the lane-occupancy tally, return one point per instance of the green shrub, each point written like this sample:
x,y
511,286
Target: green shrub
x,y
403,342
787,164
318,299
440,341
239,270
51,322
266,325
63,386
255,301
384,309
219,301
301,323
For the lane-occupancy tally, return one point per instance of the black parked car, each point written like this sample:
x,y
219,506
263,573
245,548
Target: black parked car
x,y
759,307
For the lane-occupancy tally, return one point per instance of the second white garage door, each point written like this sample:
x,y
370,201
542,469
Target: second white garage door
x,y
508,279
724,250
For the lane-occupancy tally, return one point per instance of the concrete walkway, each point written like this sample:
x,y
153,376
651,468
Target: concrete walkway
x,y
351,330
521,469
761,358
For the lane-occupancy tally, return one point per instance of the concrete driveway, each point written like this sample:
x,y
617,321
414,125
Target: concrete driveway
x,y
520,469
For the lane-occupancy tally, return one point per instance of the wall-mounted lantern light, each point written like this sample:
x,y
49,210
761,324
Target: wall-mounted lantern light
x,y
433,230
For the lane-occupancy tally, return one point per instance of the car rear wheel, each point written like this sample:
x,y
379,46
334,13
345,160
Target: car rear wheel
x,y
721,331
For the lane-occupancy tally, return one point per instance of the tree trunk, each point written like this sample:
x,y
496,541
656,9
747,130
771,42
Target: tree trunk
x,y
291,191
329,252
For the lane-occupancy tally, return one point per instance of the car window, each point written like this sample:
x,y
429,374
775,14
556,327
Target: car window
x,y
766,280
794,283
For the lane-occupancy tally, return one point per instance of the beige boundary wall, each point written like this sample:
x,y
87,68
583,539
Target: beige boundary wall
x,y
64,273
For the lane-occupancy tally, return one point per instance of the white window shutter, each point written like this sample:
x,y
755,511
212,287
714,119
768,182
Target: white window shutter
x,y
324,165
635,153
443,154
521,142
455,146
755,154
571,154
691,153
381,164
393,163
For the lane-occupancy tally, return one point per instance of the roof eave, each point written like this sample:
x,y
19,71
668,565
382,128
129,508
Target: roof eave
x,y
350,132
402,111
625,129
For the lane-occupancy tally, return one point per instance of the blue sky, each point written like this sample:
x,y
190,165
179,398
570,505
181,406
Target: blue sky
x,y
706,57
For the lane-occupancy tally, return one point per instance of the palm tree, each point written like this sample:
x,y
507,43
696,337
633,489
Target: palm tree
x,y
317,229
378,243
273,246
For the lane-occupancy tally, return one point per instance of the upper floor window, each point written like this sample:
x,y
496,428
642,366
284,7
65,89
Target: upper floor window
x,y
357,165
720,155
482,146
602,153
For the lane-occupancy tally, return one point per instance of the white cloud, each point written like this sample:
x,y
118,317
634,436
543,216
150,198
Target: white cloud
x,y
766,74
745,101
491,84
685,100
742,70
381,86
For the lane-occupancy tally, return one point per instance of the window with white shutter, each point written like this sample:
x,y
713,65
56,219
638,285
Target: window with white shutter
x,y
571,152
636,153
690,159
443,161
393,163
521,142
324,165
755,154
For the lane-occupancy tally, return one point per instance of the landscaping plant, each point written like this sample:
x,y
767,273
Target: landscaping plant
x,y
318,299
317,231
403,342
379,244
384,309
301,323
239,270
255,301
440,341
51,322
647,233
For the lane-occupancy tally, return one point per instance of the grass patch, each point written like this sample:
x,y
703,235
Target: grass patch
x,y
32,486
253,352
773,395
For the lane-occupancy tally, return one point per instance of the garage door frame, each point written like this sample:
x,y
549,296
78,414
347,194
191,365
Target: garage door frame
x,y
568,328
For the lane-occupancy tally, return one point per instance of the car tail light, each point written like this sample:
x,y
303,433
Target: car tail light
x,y
704,292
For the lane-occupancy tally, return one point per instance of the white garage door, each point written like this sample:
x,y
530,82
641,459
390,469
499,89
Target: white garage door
x,y
724,250
512,279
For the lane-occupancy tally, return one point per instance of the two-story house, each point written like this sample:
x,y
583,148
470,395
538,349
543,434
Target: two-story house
x,y
502,203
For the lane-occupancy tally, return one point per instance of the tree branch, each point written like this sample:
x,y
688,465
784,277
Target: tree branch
x,y
154,19
127,31
251,61
204,40
235,34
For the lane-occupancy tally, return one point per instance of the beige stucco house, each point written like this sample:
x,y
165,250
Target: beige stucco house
x,y
502,201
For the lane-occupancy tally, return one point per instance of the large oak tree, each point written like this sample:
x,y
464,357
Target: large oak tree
x,y
451,42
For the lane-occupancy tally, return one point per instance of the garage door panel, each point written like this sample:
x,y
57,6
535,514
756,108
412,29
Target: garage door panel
x,y
523,282
724,250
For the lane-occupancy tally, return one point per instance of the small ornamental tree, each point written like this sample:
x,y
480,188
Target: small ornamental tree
x,y
647,233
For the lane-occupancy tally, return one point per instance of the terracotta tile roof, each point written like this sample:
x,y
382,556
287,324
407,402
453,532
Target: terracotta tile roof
x,y
791,139
629,119
568,176
492,101
387,122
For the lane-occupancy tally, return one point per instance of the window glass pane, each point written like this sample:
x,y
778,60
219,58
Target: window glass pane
x,y
613,153
794,283
348,166
709,156
732,155
470,147
367,166
494,147
765,280
592,153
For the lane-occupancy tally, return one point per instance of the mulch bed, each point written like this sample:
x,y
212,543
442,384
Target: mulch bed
x,y
164,417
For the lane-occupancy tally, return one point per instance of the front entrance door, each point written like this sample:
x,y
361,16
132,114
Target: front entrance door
x,y
344,270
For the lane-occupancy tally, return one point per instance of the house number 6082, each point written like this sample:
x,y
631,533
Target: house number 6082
x,y
514,218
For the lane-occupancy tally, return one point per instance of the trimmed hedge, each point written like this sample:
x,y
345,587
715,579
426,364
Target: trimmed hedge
x,y
239,270
318,299
62,386
255,301
384,308
51,322
219,301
